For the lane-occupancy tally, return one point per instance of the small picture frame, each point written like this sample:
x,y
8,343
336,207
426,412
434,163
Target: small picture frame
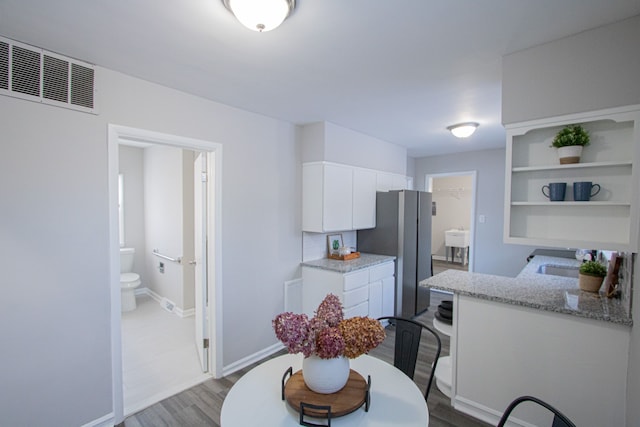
x,y
334,242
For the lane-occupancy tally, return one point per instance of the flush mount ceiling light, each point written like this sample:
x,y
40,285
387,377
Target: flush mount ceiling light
x,y
463,130
260,15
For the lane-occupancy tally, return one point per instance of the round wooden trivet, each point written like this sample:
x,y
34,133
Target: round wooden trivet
x,y
342,402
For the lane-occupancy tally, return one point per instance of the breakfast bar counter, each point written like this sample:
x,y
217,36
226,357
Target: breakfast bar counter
x,y
534,290
536,334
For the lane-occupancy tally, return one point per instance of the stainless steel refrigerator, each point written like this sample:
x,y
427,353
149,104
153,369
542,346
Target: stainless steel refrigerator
x,y
403,229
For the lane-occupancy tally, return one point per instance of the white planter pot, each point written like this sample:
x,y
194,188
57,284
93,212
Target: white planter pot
x,y
570,154
325,375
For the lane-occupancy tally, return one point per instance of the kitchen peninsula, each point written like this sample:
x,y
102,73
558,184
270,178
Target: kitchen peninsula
x,y
536,334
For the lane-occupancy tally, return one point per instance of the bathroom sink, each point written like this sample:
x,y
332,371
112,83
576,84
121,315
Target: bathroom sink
x,y
555,270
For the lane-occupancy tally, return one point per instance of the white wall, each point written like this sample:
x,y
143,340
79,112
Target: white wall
x,y
55,328
164,221
325,141
589,71
131,166
56,321
490,254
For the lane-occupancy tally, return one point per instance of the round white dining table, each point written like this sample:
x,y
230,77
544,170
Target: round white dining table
x,y
256,398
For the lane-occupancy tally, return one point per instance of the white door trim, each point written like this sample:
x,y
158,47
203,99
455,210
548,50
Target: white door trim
x,y
428,180
117,133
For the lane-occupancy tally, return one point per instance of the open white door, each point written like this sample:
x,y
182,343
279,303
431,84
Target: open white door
x,y
200,241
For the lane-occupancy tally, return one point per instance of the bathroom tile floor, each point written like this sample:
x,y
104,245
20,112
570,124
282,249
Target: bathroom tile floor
x,y
159,356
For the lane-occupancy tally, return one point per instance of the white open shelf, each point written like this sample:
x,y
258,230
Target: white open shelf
x,y
443,372
442,327
610,219
443,375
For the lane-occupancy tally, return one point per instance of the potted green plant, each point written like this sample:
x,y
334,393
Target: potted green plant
x,y
591,275
569,142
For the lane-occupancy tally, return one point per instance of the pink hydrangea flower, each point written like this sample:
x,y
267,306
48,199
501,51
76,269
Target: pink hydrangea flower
x,y
328,334
330,310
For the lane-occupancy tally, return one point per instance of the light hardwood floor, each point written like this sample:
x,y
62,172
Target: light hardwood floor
x,y
201,405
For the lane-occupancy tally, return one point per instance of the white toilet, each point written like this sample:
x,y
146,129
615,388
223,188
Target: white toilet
x,y
129,280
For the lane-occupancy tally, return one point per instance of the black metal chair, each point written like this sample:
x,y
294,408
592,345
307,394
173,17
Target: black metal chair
x,y
559,419
407,345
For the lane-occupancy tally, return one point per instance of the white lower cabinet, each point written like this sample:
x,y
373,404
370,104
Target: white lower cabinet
x,y
375,299
365,292
381,290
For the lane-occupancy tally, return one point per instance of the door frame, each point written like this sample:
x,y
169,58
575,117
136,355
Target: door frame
x,y
428,180
115,134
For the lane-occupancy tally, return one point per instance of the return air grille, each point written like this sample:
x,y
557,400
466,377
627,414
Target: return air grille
x,y
4,65
37,75
81,85
56,81
25,71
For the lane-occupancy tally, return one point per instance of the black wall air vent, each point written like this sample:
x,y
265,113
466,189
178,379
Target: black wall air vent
x,y
37,75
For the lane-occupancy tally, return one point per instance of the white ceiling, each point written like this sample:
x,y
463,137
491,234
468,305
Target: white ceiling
x,y
401,71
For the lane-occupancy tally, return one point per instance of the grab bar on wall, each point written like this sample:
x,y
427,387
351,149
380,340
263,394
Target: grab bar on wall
x,y
168,258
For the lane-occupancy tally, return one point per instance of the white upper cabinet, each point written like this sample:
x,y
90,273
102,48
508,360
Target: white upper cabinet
x,y
338,197
386,181
610,219
364,198
327,197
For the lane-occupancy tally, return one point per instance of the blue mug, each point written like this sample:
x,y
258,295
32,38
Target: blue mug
x,y
555,191
583,191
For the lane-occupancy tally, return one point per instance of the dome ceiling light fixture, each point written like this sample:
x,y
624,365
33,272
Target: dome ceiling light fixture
x,y
260,15
463,130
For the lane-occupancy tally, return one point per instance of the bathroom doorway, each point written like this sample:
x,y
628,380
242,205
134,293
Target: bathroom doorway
x,y
159,317
454,201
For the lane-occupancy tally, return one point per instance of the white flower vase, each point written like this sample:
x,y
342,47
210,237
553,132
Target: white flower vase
x,y
325,376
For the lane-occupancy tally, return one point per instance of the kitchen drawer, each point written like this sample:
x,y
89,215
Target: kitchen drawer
x,y
356,296
361,310
356,279
379,272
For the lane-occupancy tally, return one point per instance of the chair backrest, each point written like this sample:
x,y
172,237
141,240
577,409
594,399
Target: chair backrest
x,y
559,419
408,334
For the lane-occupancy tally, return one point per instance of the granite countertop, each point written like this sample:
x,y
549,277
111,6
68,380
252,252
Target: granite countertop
x,y
365,261
534,290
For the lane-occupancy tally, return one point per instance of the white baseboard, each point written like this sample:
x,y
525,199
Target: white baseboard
x,y
162,302
253,358
481,412
106,421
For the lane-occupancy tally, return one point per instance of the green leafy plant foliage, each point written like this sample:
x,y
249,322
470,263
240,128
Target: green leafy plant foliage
x,y
571,135
593,268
